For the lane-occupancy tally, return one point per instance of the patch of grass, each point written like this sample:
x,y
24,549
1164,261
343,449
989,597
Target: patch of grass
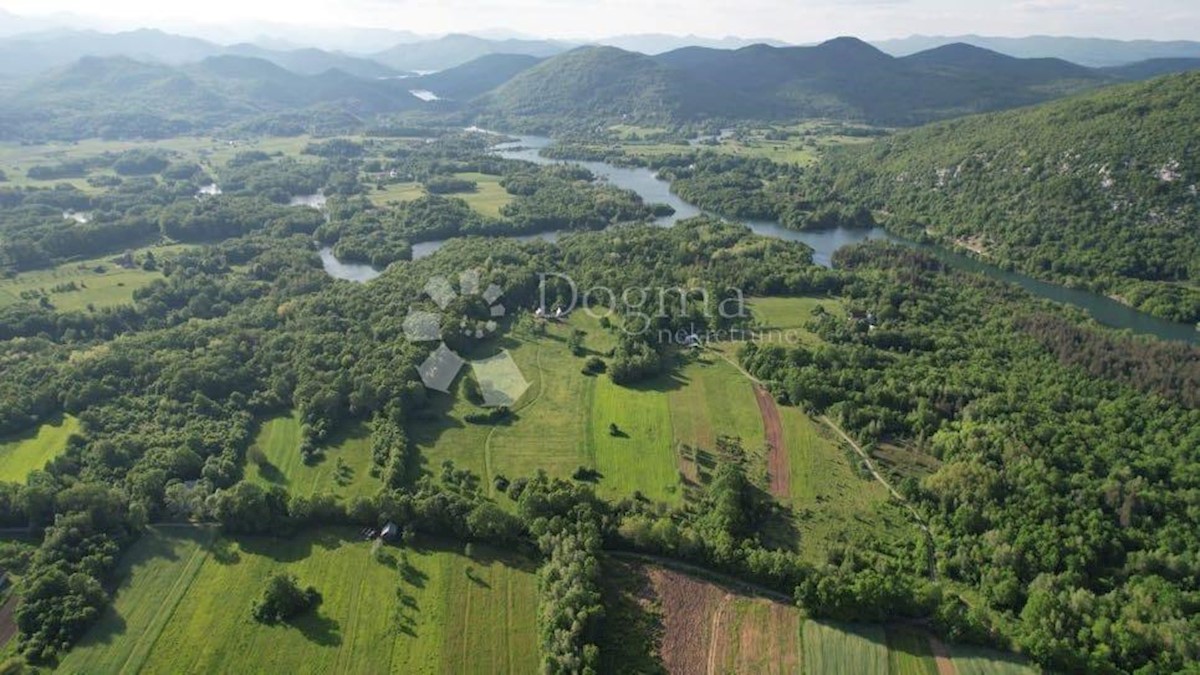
x,y
970,660
642,457
99,282
447,614
343,468
833,503
20,455
397,192
155,574
488,196
761,637
550,430
904,462
844,648
791,315
909,652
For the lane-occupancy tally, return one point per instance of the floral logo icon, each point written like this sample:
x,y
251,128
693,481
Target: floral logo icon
x,y
500,380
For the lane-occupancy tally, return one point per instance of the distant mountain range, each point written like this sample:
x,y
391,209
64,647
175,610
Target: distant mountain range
x,y
455,50
843,78
1094,52
657,43
185,88
118,97
32,54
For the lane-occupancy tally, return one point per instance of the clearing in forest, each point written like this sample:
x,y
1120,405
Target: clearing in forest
x,y
30,452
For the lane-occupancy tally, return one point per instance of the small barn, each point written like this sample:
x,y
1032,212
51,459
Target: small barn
x,y
390,532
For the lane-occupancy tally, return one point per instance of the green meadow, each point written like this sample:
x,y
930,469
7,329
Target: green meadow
x,y
844,648
549,432
184,606
343,467
76,286
30,452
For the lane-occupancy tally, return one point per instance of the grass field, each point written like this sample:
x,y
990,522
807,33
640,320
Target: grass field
x,y
397,192
344,469
835,648
488,196
704,399
185,607
22,454
970,660
98,282
909,652
562,420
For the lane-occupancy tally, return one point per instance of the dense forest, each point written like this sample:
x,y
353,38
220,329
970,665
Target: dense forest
x,y
1098,191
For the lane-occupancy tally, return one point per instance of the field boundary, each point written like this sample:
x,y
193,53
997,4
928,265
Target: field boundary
x,y
742,585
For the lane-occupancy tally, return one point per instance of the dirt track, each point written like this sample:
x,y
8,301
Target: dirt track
x,y
945,665
8,624
777,458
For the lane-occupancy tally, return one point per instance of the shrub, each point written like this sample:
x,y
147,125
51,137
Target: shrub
x,y
594,366
283,599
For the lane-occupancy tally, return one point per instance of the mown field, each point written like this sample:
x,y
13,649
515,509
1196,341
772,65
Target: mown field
x,y
78,285
29,452
184,606
343,467
487,198
563,423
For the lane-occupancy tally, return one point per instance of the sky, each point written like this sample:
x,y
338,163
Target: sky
x,y
795,21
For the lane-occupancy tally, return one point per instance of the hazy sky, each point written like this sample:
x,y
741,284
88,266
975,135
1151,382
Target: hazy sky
x,y
792,20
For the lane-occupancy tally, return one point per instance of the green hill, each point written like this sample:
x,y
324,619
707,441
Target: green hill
x,y
476,77
122,97
1099,190
843,78
593,82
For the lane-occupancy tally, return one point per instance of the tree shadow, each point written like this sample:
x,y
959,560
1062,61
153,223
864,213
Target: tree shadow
x,y
632,641
665,383
271,473
475,578
319,629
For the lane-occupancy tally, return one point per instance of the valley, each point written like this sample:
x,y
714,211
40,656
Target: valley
x,y
468,354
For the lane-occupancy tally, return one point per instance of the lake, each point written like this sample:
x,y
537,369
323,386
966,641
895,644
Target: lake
x,y
348,271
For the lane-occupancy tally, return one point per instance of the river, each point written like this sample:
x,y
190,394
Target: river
x,y
826,242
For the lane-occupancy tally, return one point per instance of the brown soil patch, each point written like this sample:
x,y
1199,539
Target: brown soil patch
x,y
710,630
688,607
8,624
941,655
777,457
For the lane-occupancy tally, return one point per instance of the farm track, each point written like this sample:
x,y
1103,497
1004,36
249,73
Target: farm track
x,y
778,468
866,458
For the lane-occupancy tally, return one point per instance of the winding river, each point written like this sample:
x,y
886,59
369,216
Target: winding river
x,y
824,243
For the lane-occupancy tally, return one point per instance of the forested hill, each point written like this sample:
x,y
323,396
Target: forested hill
x,y
843,78
1099,189
122,97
